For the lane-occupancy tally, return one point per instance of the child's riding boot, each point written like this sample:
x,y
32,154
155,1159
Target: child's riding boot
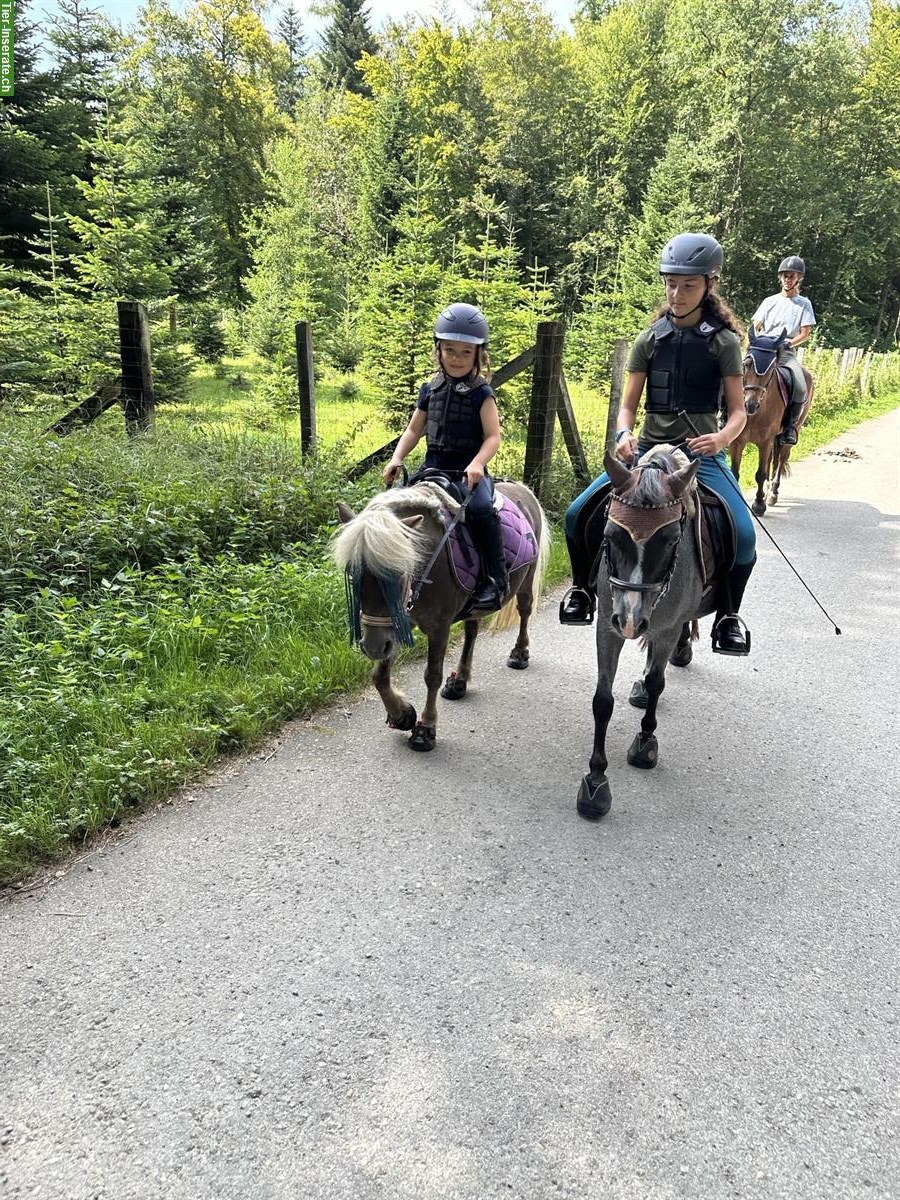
x,y
577,605
729,634
789,436
493,586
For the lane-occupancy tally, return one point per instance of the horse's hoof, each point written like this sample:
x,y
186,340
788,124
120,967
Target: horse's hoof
x,y
406,720
639,697
759,509
594,799
423,737
518,659
681,656
454,689
643,751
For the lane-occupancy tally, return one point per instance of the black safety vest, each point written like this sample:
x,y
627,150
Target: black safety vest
x,y
684,372
453,408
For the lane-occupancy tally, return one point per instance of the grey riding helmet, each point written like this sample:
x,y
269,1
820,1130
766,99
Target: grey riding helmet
x,y
691,254
462,323
792,263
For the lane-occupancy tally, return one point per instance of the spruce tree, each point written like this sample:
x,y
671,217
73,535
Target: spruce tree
x,y
346,39
289,87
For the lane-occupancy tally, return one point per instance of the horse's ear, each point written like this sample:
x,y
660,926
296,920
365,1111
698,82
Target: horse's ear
x,y
617,471
413,521
680,480
345,512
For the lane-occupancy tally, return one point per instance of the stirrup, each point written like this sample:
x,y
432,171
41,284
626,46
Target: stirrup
x,y
583,602
718,648
784,438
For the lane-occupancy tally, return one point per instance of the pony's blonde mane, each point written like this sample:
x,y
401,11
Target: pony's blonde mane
x,y
379,537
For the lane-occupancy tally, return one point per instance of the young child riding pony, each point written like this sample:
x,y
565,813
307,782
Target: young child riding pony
x,y
457,413
689,360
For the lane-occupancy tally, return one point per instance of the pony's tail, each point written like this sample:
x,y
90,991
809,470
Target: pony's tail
x,y
508,616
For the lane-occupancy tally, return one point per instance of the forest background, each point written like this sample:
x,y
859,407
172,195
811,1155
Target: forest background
x,y
166,597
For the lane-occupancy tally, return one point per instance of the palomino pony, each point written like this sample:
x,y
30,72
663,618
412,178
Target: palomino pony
x,y
650,585
765,406
386,550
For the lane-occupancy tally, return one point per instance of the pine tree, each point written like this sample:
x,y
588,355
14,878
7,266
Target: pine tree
x,y
346,39
289,88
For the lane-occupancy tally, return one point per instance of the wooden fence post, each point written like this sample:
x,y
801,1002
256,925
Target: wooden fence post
x,y
617,374
542,412
569,426
137,377
306,386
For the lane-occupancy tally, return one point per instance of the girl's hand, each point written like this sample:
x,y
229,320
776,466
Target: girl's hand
x,y
390,472
706,445
474,475
627,448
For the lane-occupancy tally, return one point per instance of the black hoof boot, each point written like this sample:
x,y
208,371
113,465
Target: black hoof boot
x,y
518,659
423,737
643,751
681,655
453,689
639,697
577,607
594,799
406,720
730,636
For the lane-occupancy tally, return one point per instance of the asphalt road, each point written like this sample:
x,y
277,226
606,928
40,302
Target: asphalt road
x,y
344,970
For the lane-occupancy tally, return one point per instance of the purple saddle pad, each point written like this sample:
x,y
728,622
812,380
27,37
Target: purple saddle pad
x,y
520,547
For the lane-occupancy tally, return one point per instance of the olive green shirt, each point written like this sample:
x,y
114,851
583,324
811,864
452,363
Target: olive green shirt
x,y
658,428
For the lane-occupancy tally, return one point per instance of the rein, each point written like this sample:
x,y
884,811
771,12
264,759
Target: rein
x,y
458,516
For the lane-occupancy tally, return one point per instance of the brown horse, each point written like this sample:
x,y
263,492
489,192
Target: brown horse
x,y
385,551
765,414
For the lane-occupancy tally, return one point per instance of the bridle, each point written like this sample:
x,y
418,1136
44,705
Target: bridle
x,y
623,585
763,376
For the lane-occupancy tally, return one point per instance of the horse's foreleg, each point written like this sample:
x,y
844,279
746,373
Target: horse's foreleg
x,y
594,795
644,750
518,656
736,452
762,475
457,681
425,733
400,713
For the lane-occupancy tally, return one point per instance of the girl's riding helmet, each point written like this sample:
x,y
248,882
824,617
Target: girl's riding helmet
x,y
792,263
691,254
462,323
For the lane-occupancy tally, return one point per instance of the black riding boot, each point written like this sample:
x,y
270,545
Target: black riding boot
x,y
493,586
789,436
730,635
577,605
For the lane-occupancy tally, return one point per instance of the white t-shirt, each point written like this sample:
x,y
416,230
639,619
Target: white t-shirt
x,y
789,313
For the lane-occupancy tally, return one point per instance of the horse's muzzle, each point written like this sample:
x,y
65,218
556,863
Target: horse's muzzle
x,y
377,643
629,619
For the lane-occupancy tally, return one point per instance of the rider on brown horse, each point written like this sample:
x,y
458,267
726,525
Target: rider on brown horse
x,y
789,314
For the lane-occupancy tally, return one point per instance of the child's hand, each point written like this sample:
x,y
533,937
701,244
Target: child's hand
x,y
389,474
474,475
